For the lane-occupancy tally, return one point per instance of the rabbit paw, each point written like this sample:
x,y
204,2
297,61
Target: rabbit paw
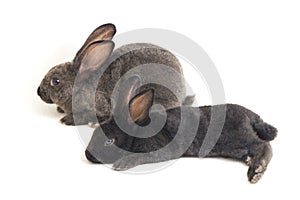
x,y
248,160
68,120
255,174
93,124
60,110
127,162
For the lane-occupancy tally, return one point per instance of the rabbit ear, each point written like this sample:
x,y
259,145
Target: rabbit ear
x,y
140,105
124,92
103,32
95,56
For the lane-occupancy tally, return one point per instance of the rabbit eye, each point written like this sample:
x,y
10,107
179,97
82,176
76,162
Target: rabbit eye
x,y
54,82
109,142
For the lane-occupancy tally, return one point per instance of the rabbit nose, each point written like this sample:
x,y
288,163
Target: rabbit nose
x,y
91,158
39,91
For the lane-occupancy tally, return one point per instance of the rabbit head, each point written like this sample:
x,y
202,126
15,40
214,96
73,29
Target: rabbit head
x,y
57,85
113,142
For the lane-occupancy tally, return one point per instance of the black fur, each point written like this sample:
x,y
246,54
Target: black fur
x,y
244,137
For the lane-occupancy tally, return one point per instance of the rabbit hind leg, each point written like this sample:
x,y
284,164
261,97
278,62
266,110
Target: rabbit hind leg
x,y
259,161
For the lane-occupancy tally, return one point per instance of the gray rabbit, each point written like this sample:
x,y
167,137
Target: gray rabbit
x,y
243,136
58,85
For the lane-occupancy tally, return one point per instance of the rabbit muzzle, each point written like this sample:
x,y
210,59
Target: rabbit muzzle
x,y
91,158
43,96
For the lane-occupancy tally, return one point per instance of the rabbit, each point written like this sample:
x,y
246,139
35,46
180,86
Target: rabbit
x,y
57,86
243,137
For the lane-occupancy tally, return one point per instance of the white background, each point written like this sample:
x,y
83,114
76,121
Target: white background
x,y
254,44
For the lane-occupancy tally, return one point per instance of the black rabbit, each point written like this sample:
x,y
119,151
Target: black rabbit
x,y
243,135
58,85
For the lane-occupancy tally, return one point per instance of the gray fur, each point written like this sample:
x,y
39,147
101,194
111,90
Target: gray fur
x,y
244,137
119,63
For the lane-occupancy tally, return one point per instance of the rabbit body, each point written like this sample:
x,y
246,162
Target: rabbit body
x,y
243,136
94,90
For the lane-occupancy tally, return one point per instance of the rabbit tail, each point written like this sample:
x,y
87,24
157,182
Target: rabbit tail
x,y
265,131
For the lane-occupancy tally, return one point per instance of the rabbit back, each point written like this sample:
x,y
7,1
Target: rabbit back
x,y
134,55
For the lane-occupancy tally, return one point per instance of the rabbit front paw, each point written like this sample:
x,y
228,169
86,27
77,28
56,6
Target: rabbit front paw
x,y
93,124
127,162
68,120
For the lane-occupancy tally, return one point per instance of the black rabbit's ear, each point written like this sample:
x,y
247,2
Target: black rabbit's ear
x,y
95,56
140,105
103,32
124,92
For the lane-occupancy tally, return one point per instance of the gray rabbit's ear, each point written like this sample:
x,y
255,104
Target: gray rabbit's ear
x,y
103,32
140,105
95,56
